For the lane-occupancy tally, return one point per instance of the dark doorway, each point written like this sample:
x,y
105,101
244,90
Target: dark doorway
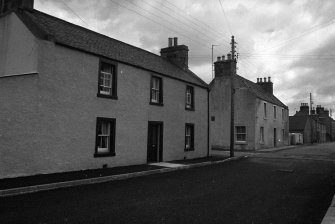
x,y
274,137
155,142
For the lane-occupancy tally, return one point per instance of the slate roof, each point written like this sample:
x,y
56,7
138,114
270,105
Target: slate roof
x,y
61,32
256,90
297,123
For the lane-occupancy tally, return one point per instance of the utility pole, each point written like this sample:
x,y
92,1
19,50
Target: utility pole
x,y
232,103
311,117
213,45
310,103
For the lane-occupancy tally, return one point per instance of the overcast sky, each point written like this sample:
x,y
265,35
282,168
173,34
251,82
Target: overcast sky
x,y
291,41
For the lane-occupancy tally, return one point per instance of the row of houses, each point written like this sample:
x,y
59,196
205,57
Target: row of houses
x,y
73,99
313,125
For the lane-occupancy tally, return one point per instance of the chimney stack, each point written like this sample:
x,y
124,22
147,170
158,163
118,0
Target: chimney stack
x,y
223,67
267,85
319,110
304,109
175,40
177,54
170,41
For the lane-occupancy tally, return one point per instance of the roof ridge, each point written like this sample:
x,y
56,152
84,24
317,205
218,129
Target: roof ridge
x,y
92,31
145,53
263,92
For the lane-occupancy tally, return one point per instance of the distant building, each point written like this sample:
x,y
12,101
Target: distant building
x,y
310,125
328,121
261,119
73,99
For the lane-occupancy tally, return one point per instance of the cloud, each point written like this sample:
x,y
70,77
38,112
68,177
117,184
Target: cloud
x,y
274,37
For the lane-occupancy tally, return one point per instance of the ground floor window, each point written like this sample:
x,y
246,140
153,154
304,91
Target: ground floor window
x,y
262,135
105,137
241,134
189,137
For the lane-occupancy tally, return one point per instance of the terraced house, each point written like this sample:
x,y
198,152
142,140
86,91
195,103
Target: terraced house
x,y
73,99
260,118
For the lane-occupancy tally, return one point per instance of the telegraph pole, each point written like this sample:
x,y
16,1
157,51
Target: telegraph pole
x,y
232,103
213,45
310,103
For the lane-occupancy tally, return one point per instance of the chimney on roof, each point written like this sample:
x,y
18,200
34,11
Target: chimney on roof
x,y
313,111
177,54
267,85
223,67
10,5
304,109
170,41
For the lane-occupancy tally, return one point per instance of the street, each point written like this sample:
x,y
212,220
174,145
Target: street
x,y
288,186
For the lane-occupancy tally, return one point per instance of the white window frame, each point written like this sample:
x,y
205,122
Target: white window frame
x,y
155,90
188,98
241,134
104,134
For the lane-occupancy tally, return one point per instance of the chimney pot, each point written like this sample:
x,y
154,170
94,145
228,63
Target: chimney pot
x,y
229,56
170,41
264,79
219,58
175,41
269,79
257,80
223,57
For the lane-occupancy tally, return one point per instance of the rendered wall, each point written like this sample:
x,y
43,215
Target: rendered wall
x,y
269,123
220,111
66,107
19,98
18,47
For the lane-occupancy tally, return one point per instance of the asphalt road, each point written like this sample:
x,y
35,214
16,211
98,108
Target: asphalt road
x,y
290,186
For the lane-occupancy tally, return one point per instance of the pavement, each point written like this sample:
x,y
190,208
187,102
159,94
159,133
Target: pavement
x,y
25,185
153,168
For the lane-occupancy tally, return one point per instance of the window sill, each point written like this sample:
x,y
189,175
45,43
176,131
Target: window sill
x,y
240,143
110,154
188,150
189,109
156,104
113,97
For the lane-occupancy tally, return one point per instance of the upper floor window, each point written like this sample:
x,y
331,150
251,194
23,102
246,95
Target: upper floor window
x,y
265,112
107,80
241,134
283,114
156,93
189,98
189,137
274,112
105,137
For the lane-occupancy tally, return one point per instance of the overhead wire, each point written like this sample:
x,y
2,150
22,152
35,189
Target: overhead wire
x,y
204,25
195,28
74,13
163,25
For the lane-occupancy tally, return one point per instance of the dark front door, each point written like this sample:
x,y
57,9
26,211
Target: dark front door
x,y
274,137
155,141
